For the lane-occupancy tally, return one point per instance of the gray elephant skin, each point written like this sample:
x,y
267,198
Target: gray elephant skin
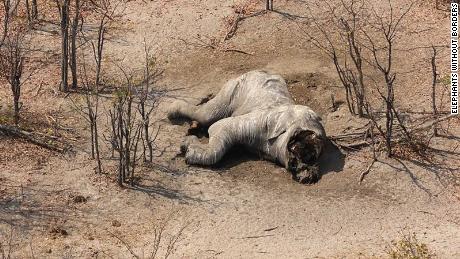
x,y
257,111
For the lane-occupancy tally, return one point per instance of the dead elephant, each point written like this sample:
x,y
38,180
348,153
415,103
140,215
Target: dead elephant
x,y
257,111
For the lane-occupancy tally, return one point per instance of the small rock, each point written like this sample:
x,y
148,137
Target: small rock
x,y
79,199
116,223
60,231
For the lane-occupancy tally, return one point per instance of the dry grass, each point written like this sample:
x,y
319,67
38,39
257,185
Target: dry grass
x,y
409,247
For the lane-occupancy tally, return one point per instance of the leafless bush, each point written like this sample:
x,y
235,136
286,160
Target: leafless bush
x,y
125,130
163,241
91,110
7,246
343,43
433,86
108,11
383,57
361,43
13,56
6,19
131,128
148,100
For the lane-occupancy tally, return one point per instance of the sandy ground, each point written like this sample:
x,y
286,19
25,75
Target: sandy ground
x,y
55,206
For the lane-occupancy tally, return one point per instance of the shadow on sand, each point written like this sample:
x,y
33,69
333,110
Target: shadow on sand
x,y
332,159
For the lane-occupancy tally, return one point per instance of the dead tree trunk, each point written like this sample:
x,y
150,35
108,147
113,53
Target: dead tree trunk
x,y
96,143
16,89
92,106
143,110
34,10
64,13
100,48
28,12
269,5
6,21
433,87
73,45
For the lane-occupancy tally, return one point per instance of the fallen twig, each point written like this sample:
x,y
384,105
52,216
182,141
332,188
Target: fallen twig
x,y
270,229
431,123
232,31
238,51
368,169
357,140
48,142
125,244
251,237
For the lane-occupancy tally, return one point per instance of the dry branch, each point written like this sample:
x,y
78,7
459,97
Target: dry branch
x,y
359,139
45,141
432,123
239,18
368,169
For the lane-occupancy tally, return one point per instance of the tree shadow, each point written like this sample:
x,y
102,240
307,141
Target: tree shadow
x,y
443,173
149,184
157,189
19,207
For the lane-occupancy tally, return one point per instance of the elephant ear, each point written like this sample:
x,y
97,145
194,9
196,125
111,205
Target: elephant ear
x,y
275,131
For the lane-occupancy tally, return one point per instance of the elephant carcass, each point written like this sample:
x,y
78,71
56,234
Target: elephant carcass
x,y
257,111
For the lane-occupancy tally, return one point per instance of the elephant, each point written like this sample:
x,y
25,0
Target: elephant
x,y
257,111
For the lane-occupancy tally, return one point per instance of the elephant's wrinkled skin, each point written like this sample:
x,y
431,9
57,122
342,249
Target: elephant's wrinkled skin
x,y
257,111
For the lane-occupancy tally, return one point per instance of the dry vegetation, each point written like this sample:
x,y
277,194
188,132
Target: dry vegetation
x,y
82,106
409,247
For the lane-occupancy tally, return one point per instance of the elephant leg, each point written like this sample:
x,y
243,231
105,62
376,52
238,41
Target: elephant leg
x,y
220,141
215,109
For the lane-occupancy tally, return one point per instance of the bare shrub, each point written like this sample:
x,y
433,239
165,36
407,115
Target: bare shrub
x,y
11,67
342,43
6,19
6,245
383,55
409,247
361,45
149,98
91,110
125,131
13,58
163,243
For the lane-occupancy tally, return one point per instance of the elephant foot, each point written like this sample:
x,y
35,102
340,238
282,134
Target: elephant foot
x,y
198,130
188,140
